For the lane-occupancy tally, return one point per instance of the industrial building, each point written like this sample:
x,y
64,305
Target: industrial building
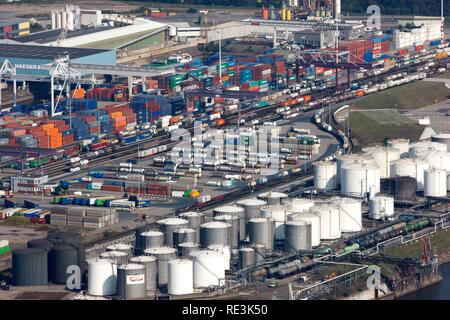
x,y
13,28
28,183
315,39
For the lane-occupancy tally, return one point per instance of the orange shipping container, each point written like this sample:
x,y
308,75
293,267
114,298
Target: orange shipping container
x,y
360,93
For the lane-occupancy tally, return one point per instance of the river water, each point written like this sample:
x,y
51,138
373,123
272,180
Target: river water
x,y
440,291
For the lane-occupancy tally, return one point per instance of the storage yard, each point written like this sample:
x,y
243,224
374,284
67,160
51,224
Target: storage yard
x,y
278,167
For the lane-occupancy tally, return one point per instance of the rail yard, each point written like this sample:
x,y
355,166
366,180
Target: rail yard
x,y
139,160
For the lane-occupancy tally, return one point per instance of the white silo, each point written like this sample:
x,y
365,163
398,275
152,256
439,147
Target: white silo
x,y
350,215
435,183
358,177
325,175
298,205
70,20
314,218
59,20
279,215
436,159
63,19
350,158
226,254
180,276
401,144
208,268
413,168
383,157
381,207
422,146
53,19
443,138
102,277
329,221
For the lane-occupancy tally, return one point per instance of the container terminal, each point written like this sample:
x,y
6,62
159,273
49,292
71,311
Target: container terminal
x,y
195,155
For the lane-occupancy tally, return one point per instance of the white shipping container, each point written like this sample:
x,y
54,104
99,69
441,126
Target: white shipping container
x,y
177,194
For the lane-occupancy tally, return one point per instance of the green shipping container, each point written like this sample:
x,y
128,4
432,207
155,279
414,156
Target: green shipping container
x,y
293,78
5,249
57,199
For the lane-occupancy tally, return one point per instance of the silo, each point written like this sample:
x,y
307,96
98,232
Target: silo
x,y
314,219
215,232
251,208
260,252
325,175
131,281
151,239
169,225
58,20
383,157
226,254
60,258
117,257
272,198
403,188
180,276
208,268
184,249
298,205
30,267
163,255
195,220
358,178
443,138
53,20
414,168
247,257
402,145
235,226
262,230
436,159
381,207
298,235
350,158
350,214
123,247
329,221
181,235
151,270
63,19
279,215
435,183
102,277
422,146
234,211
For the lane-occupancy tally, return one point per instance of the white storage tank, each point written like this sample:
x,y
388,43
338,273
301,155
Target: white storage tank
x,y
435,183
226,254
402,145
329,221
117,257
350,214
383,157
235,227
262,231
443,138
279,215
381,207
297,205
208,268
314,219
163,255
298,235
422,146
251,208
151,271
436,159
102,277
215,232
273,198
325,175
180,277
358,178
413,168
350,158
169,225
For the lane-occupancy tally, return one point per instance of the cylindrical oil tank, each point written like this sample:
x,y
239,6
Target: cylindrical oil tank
x,y
357,178
235,227
435,183
297,205
181,276
208,268
69,237
279,215
350,158
45,244
181,235
247,257
151,270
184,249
235,211
169,225
422,146
403,188
61,257
131,281
118,257
195,220
298,235
402,145
329,221
226,254
381,207
215,232
152,239
260,251
251,208
102,277
163,255
325,175
128,249
30,267
350,215
443,138
383,157
436,159
314,219
272,198
262,230
414,168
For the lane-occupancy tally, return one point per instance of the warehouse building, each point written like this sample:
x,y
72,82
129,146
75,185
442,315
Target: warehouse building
x,y
13,28
315,39
28,183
